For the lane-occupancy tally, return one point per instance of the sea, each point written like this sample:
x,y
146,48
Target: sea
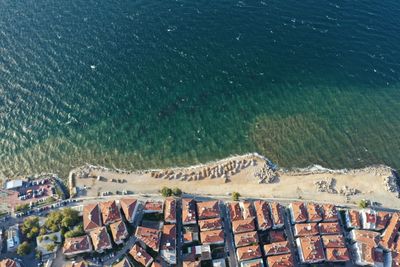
x,y
139,84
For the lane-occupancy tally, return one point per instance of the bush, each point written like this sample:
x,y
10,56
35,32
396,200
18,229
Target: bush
x,y
22,208
363,204
23,249
77,231
50,247
177,192
166,192
38,254
235,196
54,238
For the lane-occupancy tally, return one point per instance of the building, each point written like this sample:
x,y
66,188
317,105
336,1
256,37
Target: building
x,y
340,254
91,217
263,213
388,236
305,229
248,253
14,184
148,237
298,212
382,219
45,242
76,264
353,220
247,209
190,234
364,254
277,217
170,210
188,211
210,224
208,210
235,211
310,249
246,239
213,237
191,263
277,248
123,263
77,245
168,244
119,232
277,236
9,263
110,212
219,263
153,207
13,240
252,263
285,260
100,239
368,219
333,241
140,255
329,213
329,228
245,225
314,212
129,207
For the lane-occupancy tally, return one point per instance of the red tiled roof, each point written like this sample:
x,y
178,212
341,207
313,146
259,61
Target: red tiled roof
x,y
210,224
306,229
395,258
311,249
314,212
365,236
149,236
382,220
8,263
210,237
77,245
277,236
263,214
241,226
91,217
188,210
333,241
140,255
235,211
124,263
168,239
191,264
170,210
299,212
110,212
248,253
337,254
354,217
330,213
329,228
118,231
246,239
100,238
276,213
390,232
247,209
208,210
128,206
277,248
153,206
285,260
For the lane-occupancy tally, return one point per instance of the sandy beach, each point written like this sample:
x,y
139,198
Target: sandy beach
x,y
255,178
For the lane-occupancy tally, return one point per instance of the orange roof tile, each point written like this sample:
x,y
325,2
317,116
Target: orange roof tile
x,y
298,212
168,239
263,214
285,260
241,226
8,263
128,206
248,253
100,238
314,212
354,217
365,236
170,210
118,231
91,217
366,252
337,254
247,209
140,255
276,213
390,232
77,245
330,213
208,209
311,249
191,263
306,229
150,237
210,224
110,212
277,248
153,206
329,228
277,236
333,241
212,237
235,211
188,211
382,220
246,239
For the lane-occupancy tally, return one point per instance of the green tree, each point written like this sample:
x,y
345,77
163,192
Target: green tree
x,y
235,196
50,247
177,192
38,254
42,231
30,227
65,218
363,204
54,238
166,192
77,231
24,249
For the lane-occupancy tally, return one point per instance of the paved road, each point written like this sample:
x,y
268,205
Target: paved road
x,y
179,238
229,244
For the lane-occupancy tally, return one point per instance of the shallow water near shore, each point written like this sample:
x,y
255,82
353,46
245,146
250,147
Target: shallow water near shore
x,y
144,84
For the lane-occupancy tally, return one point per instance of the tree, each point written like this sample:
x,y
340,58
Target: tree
x,y
166,192
23,249
177,192
50,247
363,204
77,231
30,227
38,254
54,238
62,219
42,231
235,196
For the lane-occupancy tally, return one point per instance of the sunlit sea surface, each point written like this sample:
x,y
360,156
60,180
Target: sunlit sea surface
x,y
140,84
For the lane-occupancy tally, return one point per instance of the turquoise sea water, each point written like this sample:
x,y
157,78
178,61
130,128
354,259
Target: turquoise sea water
x,y
139,84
